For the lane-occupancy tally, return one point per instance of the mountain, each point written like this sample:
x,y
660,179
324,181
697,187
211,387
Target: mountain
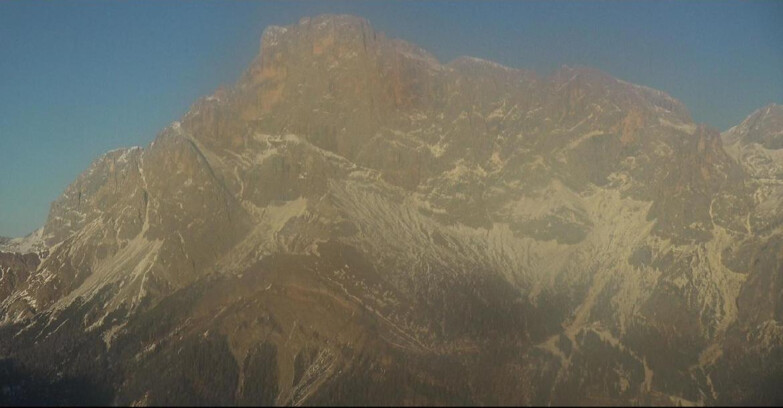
x,y
354,222
762,127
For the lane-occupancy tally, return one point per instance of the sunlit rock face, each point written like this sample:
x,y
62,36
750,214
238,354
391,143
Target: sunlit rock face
x,y
354,222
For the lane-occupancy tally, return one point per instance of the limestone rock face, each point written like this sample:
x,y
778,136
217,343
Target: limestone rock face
x,y
354,222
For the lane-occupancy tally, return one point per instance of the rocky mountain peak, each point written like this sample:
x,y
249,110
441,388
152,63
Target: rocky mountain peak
x,y
353,206
764,127
322,32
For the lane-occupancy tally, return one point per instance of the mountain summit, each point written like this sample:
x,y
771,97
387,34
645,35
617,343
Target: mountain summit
x,y
354,222
762,127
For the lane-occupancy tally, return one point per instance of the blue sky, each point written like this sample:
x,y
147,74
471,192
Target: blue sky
x,y
79,78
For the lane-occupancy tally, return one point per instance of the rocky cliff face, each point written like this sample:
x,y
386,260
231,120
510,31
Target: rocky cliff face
x,y
354,222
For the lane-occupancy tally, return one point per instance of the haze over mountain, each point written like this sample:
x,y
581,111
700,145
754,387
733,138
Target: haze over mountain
x,y
355,222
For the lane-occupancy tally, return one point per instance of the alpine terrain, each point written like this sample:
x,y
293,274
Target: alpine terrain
x,y
354,222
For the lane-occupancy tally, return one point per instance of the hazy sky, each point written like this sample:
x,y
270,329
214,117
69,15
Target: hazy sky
x,y
82,77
